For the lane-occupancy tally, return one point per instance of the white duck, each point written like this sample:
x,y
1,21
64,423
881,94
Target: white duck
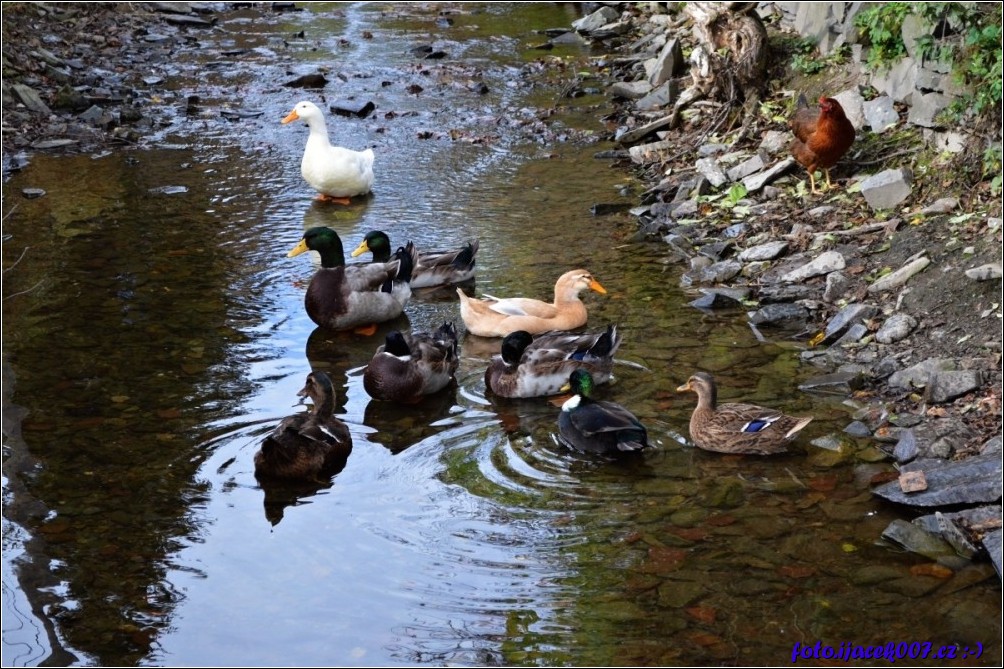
x,y
335,172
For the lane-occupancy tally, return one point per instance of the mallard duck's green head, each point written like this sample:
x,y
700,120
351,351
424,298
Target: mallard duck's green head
x,y
323,240
703,384
377,243
580,382
513,346
396,344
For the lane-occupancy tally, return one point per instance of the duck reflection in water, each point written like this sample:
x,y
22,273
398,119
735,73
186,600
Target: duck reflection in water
x,y
306,449
398,426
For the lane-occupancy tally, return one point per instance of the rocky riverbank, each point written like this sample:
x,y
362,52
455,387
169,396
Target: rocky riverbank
x,y
892,279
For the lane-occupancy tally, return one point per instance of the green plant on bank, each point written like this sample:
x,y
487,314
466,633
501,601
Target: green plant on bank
x,y
882,25
811,62
968,35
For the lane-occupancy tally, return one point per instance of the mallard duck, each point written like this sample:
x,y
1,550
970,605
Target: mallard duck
x,y
336,173
496,317
597,427
535,366
309,446
341,297
435,268
406,367
737,428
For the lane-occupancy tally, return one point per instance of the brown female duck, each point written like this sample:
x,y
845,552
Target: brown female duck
x,y
311,446
737,428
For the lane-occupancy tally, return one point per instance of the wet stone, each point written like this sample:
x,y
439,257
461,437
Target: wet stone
x,y
854,334
631,90
875,574
31,194
677,594
857,429
715,273
715,300
992,544
974,480
837,383
897,327
849,315
357,108
785,293
315,80
917,540
911,586
906,447
779,313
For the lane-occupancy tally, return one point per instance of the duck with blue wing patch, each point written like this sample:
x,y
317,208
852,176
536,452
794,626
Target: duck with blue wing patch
x,y
737,428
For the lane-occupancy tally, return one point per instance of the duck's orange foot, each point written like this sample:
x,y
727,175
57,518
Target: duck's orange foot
x,y
330,198
366,331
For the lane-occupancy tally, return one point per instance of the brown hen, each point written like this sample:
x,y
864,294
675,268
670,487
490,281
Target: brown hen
x,y
821,137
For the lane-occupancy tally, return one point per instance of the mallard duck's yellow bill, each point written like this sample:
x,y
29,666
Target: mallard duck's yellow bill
x,y
684,388
361,249
292,116
565,388
298,249
595,285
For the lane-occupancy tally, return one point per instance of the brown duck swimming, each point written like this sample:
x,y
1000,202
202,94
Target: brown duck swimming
x,y
737,428
311,446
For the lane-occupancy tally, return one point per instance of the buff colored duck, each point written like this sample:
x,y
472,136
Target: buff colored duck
x,y
409,366
537,366
497,317
737,428
310,446
335,172
343,297
435,268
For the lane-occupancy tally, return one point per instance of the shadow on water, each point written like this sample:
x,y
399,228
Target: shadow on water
x,y
157,334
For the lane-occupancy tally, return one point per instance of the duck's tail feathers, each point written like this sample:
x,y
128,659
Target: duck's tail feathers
x,y
407,257
465,259
797,427
607,343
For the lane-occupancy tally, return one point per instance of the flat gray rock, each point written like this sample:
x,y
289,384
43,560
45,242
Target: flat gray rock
x,y
946,386
837,383
768,251
829,261
887,189
975,480
896,327
992,544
